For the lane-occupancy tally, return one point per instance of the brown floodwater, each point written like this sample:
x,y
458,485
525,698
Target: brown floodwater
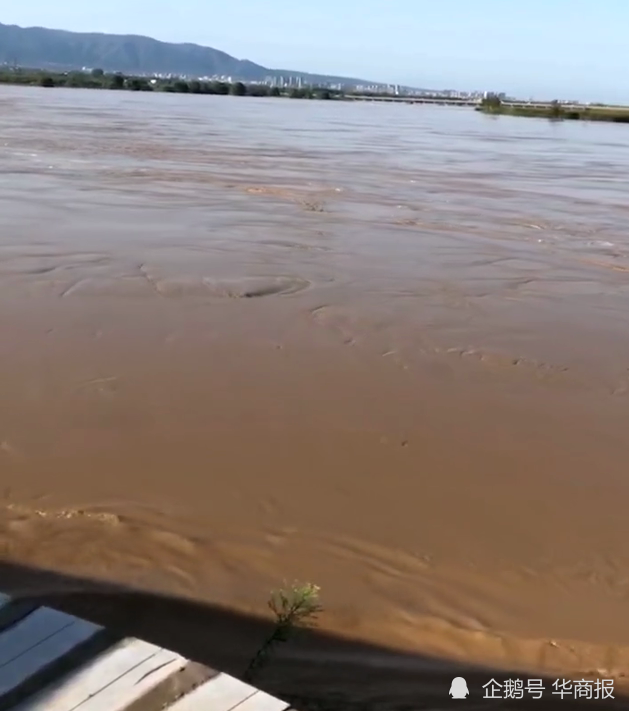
x,y
381,348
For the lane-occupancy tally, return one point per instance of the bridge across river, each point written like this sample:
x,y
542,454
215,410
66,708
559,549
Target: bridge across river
x,y
413,100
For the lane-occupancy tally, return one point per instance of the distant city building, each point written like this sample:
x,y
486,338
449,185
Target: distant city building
x,y
498,94
291,81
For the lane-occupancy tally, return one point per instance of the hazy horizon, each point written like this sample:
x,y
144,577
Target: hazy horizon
x,y
567,49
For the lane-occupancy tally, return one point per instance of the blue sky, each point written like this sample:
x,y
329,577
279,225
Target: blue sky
x,y
546,48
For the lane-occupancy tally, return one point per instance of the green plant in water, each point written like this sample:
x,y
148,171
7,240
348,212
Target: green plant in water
x,y
294,607
555,110
491,102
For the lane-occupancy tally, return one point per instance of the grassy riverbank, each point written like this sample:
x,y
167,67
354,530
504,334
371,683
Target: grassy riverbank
x,y
556,111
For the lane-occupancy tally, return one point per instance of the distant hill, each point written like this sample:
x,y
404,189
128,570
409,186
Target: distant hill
x,y
38,47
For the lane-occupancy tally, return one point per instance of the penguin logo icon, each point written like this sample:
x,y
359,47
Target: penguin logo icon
x,y
458,688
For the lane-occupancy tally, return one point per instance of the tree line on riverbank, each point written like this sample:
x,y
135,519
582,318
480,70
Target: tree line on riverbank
x,y
97,79
556,111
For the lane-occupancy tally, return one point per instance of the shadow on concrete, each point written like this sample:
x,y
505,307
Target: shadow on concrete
x,y
315,672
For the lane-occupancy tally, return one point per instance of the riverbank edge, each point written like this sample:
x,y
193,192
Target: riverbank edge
x,y
559,113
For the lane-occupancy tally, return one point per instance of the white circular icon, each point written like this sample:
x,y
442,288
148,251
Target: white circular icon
x,y
458,688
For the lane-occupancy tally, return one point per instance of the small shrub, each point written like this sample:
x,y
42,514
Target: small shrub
x,y
220,87
297,606
117,81
238,89
491,103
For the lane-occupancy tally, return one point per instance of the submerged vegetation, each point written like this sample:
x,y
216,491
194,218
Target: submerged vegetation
x,y
293,607
555,110
98,79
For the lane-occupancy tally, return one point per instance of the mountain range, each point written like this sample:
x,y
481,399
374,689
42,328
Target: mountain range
x,y
39,47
